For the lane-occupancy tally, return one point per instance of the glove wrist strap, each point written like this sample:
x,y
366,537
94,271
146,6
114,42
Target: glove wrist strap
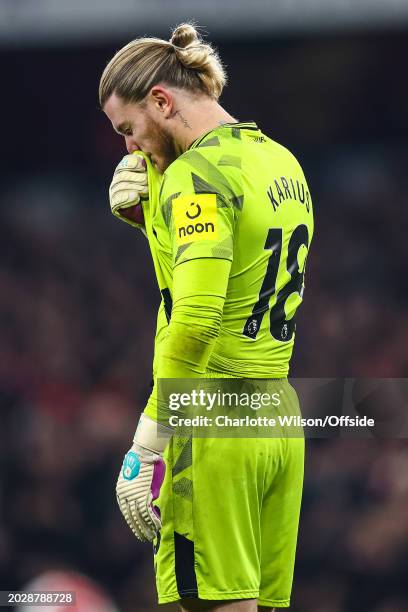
x,y
152,435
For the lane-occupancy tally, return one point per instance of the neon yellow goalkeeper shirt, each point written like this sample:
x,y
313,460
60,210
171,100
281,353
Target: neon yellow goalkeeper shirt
x,y
229,235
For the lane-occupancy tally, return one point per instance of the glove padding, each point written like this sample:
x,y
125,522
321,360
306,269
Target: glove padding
x,y
141,478
129,185
138,485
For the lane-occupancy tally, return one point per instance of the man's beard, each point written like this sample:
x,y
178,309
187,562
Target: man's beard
x,y
165,149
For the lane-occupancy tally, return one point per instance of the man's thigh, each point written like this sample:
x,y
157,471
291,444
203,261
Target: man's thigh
x,y
230,511
210,505
279,528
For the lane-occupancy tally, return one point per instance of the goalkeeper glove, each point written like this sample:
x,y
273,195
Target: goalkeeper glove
x,y
141,478
129,185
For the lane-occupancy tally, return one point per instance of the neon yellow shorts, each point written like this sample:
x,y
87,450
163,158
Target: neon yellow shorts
x,y
230,512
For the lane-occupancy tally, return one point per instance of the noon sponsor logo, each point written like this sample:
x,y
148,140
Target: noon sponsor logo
x,y
188,230
195,218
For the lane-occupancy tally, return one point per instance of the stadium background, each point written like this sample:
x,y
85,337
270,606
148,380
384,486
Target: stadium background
x,y
78,295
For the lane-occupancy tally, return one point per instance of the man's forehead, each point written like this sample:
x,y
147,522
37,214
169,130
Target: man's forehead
x,y
122,114
115,108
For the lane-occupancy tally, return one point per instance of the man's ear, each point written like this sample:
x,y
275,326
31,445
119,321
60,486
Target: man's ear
x,y
162,100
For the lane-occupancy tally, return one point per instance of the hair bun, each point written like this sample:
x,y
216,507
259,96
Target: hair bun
x,y
185,62
183,35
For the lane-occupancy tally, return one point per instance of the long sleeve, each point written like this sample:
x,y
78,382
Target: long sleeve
x,y
199,290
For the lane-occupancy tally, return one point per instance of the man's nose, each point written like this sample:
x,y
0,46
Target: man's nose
x,y
131,144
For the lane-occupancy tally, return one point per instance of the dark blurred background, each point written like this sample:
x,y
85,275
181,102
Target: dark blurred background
x,y
78,297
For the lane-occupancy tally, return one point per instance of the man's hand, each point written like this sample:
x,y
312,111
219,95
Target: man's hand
x,y
139,483
129,185
141,478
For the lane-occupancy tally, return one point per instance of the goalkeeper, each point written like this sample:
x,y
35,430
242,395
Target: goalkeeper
x,y
228,216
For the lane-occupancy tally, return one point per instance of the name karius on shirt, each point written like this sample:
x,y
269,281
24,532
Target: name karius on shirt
x,y
284,189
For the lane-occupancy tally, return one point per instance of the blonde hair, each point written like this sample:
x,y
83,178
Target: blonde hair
x,y
185,61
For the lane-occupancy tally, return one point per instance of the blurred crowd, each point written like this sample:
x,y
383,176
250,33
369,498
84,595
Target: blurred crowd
x,y
78,304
